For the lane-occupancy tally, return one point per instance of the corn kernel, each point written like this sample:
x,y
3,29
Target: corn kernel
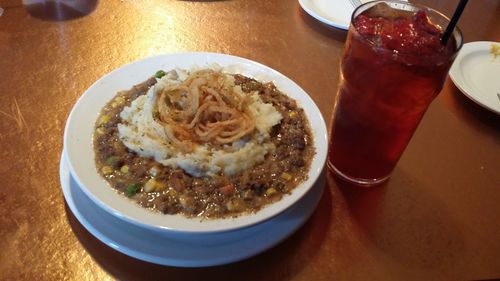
x,y
153,185
119,100
286,176
104,119
124,169
100,131
160,186
172,192
235,205
106,170
150,185
270,191
293,114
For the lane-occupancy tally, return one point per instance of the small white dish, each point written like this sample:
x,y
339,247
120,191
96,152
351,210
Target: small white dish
x,y
335,13
80,127
180,249
476,72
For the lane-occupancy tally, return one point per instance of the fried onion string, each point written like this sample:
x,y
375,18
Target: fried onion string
x,y
205,108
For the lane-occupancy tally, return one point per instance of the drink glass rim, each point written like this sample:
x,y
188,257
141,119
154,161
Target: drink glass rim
x,y
457,32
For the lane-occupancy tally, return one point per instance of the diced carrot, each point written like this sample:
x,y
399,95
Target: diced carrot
x,y
177,184
227,190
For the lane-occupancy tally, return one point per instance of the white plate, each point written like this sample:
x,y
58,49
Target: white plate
x,y
186,250
80,153
476,72
336,13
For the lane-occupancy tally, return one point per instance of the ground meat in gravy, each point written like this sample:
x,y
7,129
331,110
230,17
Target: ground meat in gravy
x,y
207,197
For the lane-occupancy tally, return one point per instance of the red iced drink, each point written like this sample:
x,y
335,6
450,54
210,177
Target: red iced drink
x,y
393,66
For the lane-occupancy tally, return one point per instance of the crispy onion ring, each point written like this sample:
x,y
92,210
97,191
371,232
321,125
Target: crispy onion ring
x,y
204,109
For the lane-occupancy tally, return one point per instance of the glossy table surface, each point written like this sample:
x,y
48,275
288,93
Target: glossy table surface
x,y
437,217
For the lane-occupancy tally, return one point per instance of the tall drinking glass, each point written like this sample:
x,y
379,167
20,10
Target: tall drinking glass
x,y
394,64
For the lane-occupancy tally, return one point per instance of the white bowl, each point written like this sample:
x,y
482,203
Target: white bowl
x,y
80,152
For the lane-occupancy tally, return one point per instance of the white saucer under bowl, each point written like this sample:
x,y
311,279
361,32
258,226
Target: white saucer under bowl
x,y
185,249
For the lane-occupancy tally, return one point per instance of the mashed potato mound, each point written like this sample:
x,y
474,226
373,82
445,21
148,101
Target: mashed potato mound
x,y
141,133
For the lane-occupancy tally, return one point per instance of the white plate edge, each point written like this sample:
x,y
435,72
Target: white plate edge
x,y
310,11
460,81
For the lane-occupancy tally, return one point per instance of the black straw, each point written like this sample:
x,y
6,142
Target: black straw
x,y
453,22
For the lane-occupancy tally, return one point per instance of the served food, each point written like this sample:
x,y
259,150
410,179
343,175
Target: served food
x,y
203,143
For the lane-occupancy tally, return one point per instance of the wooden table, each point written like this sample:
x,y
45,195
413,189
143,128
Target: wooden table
x,y
437,218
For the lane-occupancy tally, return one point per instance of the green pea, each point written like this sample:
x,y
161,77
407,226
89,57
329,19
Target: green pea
x,y
132,189
160,74
110,160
